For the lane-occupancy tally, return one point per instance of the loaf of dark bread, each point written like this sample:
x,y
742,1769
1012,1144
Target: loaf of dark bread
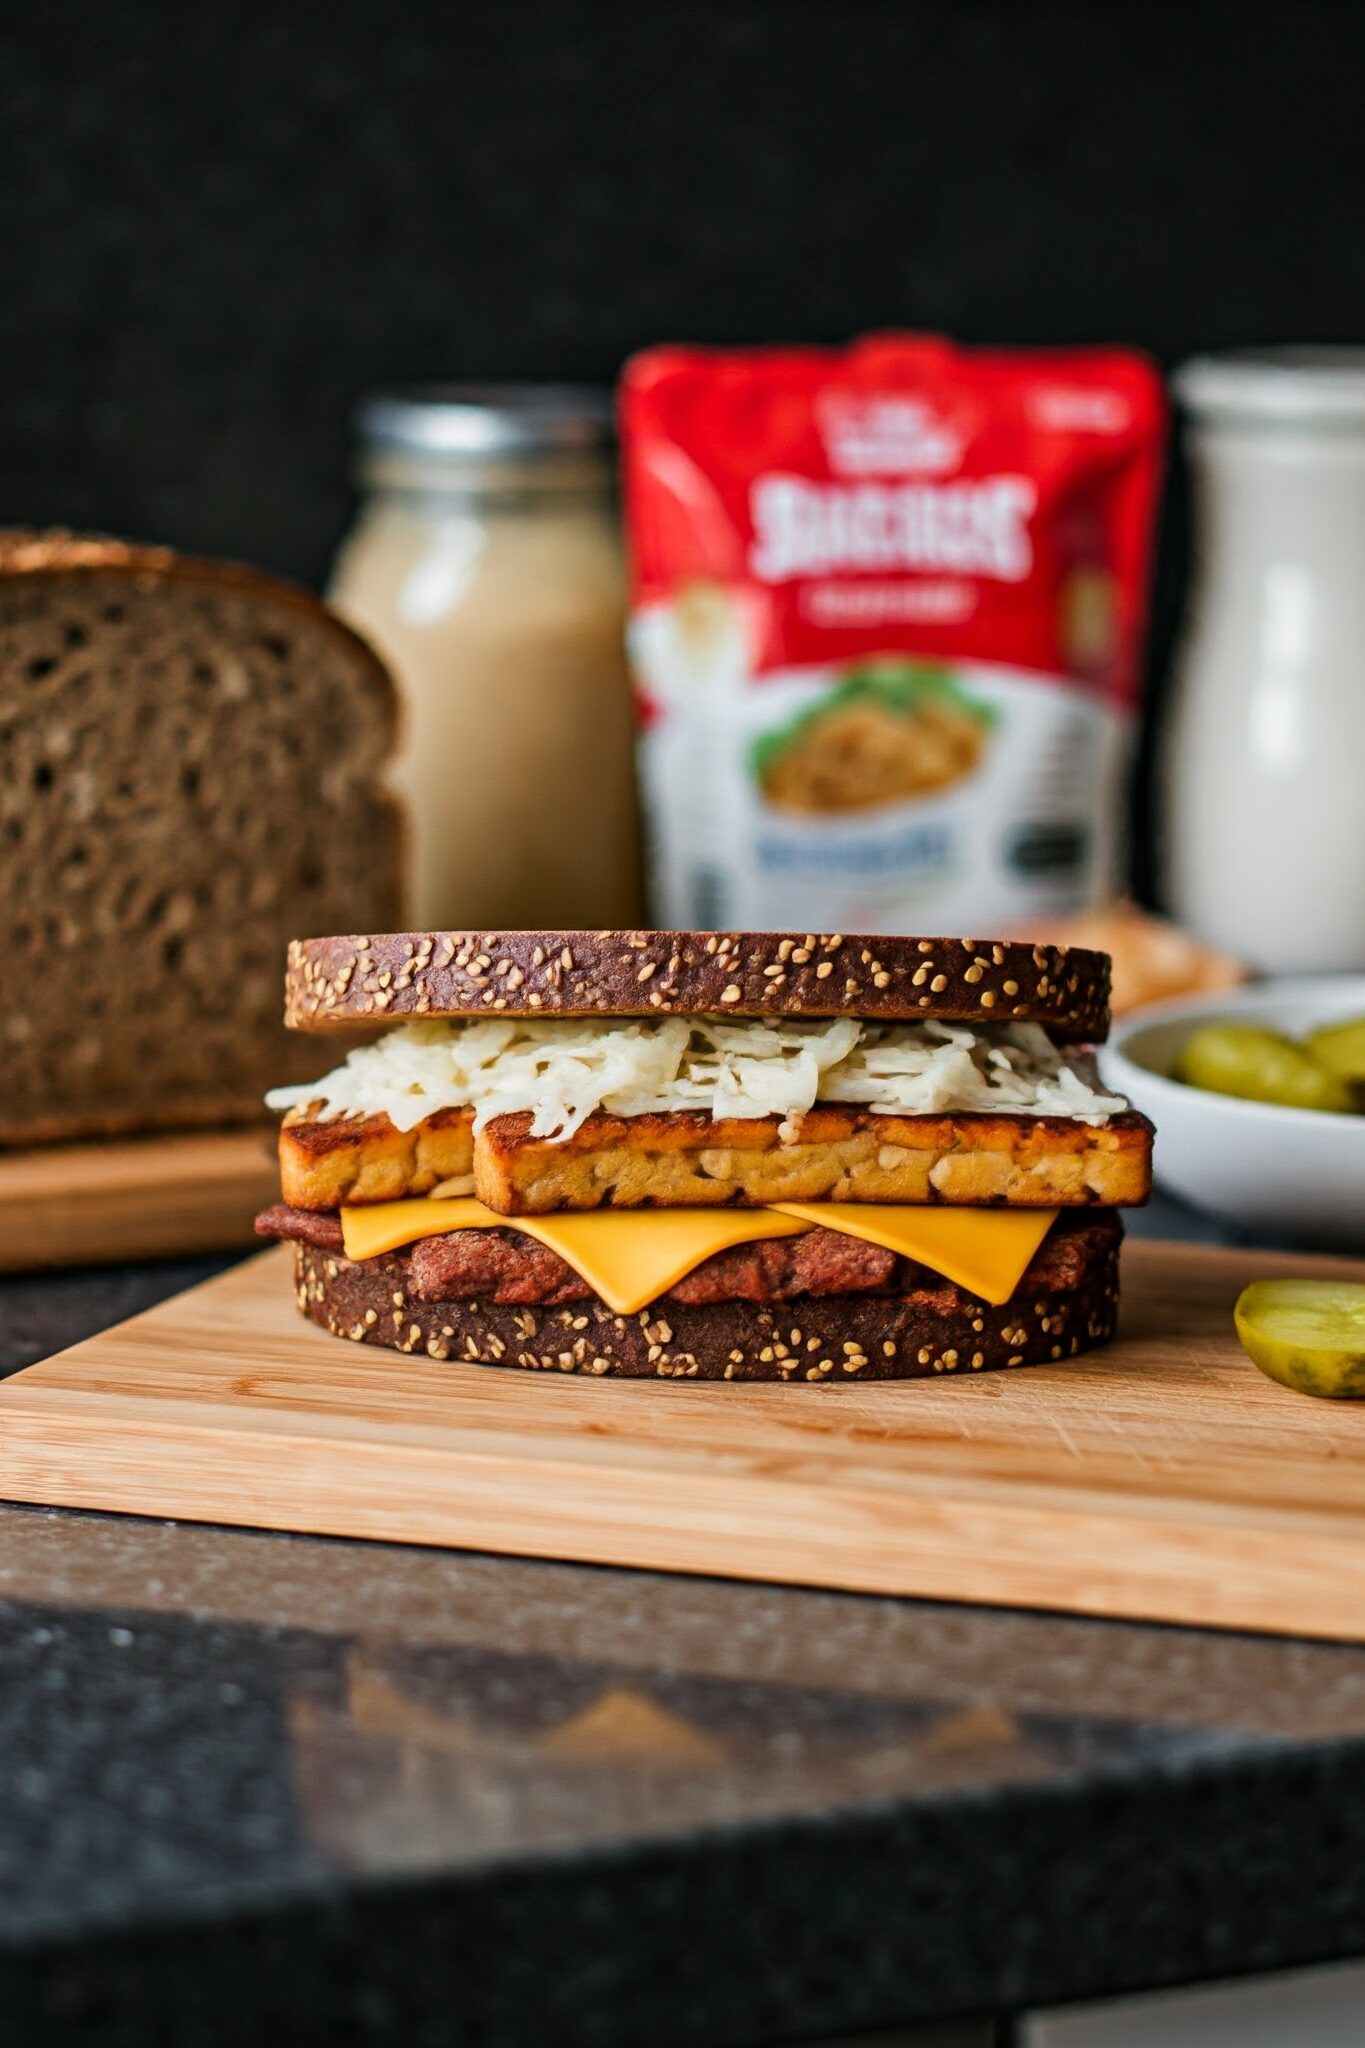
x,y
190,773
1065,1304
332,982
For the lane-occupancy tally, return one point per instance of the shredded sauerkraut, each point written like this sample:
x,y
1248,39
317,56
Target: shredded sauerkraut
x,y
564,1069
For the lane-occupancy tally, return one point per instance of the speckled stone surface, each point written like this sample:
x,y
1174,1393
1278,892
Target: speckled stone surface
x,y
262,1789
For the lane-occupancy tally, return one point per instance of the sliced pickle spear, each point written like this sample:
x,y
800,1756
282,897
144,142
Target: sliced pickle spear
x,y
1307,1334
1259,1065
1340,1048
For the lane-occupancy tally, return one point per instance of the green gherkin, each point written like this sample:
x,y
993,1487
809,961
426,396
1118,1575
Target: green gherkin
x,y
1261,1066
1307,1334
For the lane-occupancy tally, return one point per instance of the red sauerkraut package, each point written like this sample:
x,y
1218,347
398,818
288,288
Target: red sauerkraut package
x,y
886,627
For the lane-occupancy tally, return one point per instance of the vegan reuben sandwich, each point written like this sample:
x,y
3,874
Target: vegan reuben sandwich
x,y
708,1155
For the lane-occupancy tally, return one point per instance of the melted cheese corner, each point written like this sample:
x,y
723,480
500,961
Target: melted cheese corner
x,y
987,1251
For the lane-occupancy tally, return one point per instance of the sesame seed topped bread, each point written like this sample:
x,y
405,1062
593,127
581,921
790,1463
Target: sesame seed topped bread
x,y
190,773
333,982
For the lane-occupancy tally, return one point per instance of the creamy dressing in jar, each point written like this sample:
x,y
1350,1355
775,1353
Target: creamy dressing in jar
x,y
485,567
1264,770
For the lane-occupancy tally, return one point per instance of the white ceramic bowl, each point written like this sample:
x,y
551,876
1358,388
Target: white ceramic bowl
x,y
1297,1175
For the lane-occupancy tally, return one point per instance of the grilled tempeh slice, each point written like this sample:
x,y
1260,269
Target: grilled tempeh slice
x,y
682,1160
350,1159
836,1155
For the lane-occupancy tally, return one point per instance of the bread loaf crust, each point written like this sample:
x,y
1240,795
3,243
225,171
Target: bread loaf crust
x,y
387,977
57,552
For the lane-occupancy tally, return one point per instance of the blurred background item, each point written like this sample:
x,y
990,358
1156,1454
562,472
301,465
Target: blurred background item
x,y
1265,752
191,778
888,613
1262,1160
486,566
1153,961
191,775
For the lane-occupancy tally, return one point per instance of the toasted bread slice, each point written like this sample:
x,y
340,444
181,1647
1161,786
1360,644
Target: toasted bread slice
x,y
323,1165
689,1161
837,1155
389,976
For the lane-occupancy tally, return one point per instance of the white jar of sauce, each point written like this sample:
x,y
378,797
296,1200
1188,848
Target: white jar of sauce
x,y
486,568
1264,769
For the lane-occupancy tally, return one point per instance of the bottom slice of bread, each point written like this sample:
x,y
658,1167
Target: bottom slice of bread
x,y
941,1329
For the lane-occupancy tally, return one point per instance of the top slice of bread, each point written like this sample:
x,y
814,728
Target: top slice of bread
x,y
191,760
358,978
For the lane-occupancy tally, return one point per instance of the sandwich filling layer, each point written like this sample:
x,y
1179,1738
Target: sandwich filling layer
x,y
987,1259
911,1324
631,1256
685,1160
562,1071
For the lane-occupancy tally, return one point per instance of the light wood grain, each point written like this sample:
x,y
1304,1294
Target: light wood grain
x,y
1160,1478
69,1205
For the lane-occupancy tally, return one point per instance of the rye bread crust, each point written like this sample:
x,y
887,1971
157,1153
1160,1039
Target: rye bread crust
x,y
56,551
333,982
837,1338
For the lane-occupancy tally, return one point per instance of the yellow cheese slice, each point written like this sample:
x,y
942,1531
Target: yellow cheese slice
x,y
628,1256
632,1256
987,1251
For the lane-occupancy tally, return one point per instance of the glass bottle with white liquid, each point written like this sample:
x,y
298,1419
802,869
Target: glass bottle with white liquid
x,y
1264,766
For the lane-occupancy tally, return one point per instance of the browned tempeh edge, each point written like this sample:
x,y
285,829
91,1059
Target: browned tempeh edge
x,y
665,1161
331,982
836,1339
324,1165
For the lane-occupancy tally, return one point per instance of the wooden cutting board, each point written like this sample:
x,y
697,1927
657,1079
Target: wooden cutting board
x,y
133,1198
1160,1478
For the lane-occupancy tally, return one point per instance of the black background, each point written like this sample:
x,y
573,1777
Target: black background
x,y
221,223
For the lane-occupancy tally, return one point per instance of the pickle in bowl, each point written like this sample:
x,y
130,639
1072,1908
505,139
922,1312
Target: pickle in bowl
x,y
1260,1065
1340,1048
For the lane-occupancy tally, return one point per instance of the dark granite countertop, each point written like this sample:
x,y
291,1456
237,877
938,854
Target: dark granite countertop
x,y
262,1789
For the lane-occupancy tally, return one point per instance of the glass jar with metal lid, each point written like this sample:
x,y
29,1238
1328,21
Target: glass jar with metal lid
x,y
485,566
